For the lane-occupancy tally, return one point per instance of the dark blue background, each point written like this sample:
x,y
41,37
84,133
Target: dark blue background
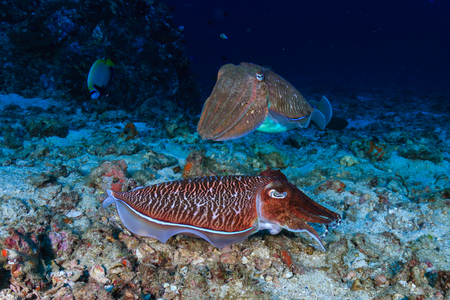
x,y
387,44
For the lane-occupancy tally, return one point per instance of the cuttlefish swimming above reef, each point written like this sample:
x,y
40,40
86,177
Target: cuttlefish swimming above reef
x,y
222,209
249,97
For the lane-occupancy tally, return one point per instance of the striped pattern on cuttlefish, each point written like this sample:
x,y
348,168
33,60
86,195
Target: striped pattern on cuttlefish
x,y
222,209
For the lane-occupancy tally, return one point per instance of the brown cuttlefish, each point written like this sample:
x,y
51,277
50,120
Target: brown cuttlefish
x,y
221,209
249,97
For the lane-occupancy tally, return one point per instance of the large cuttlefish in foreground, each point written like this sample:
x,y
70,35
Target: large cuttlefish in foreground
x,y
249,97
222,210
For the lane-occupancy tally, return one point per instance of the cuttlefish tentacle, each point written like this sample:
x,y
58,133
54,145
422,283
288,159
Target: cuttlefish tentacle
x,y
249,97
222,210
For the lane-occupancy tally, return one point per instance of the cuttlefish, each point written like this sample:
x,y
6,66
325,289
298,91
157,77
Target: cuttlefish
x,y
221,209
249,97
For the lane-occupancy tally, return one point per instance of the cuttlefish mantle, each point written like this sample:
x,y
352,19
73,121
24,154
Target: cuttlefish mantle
x,y
222,209
249,97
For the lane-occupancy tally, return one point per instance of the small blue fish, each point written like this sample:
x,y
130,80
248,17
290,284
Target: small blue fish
x,y
101,73
223,36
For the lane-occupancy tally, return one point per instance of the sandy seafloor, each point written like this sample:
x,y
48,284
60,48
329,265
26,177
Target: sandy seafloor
x,y
387,174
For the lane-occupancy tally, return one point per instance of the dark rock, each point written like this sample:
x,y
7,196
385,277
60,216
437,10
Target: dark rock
x,y
158,161
296,141
40,180
43,126
337,123
39,152
118,148
71,151
12,137
422,152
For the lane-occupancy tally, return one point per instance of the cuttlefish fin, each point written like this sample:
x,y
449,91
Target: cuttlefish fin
x,y
279,123
322,113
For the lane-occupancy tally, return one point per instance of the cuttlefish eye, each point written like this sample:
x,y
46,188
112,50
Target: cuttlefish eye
x,y
276,194
260,76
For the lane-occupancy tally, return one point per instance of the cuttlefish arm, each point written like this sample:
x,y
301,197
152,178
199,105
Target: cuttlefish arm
x,y
237,106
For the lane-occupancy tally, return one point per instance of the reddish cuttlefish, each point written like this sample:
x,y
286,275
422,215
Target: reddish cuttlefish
x,y
221,209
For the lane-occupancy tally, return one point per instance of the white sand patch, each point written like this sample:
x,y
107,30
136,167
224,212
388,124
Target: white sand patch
x,y
14,99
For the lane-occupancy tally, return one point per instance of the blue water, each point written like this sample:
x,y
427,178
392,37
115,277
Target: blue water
x,y
399,44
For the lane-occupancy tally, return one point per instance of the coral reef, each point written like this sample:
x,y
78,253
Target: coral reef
x,y
47,50
111,175
57,242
